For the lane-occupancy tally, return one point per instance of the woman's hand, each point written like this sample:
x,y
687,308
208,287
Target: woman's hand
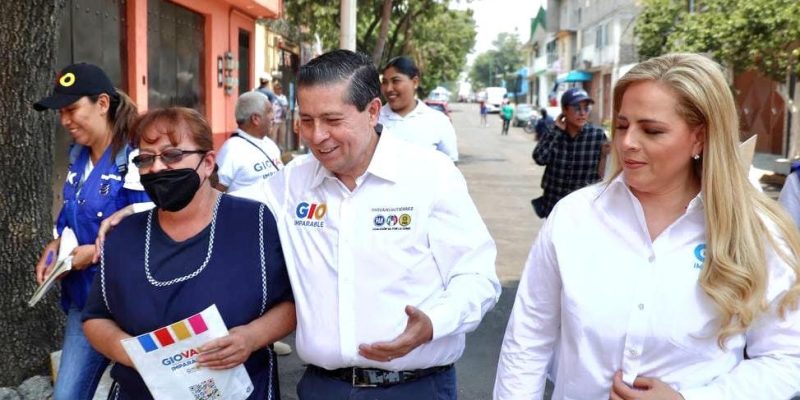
x,y
83,256
106,226
228,351
643,389
47,259
561,122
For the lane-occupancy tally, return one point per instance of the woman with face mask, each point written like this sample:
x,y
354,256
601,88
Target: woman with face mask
x,y
97,117
409,118
197,248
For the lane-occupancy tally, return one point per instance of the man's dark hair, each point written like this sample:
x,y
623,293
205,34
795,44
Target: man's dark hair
x,y
403,65
344,65
543,112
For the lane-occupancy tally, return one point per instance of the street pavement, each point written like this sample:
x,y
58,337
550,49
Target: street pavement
x,y
502,179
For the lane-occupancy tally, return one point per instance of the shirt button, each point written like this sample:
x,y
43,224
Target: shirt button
x,y
641,306
651,258
99,214
633,353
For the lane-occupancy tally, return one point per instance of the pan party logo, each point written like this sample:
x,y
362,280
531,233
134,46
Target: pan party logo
x,y
391,219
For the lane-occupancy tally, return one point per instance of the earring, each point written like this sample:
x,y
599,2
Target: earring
x,y
696,157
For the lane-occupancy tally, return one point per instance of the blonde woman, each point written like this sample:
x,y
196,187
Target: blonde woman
x,y
653,283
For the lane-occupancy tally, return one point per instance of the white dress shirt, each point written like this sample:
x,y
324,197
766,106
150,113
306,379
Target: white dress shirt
x,y
612,299
423,126
241,164
408,234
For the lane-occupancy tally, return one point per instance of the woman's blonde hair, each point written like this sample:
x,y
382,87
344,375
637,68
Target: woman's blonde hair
x,y
738,217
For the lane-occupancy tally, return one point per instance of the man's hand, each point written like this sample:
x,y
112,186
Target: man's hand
x,y
106,226
47,259
643,389
227,351
419,330
83,256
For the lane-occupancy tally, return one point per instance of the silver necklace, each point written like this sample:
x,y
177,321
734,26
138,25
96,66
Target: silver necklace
x,y
196,272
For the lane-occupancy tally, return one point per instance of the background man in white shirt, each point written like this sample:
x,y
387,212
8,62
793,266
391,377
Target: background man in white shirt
x,y
249,156
389,261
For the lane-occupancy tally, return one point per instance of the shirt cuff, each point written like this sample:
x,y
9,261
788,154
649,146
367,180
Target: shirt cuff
x,y
139,207
442,320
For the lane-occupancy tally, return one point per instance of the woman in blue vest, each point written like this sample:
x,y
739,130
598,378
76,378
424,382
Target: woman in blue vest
x,y
97,116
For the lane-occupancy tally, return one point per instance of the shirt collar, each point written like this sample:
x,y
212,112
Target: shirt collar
x,y
247,135
389,114
385,163
618,186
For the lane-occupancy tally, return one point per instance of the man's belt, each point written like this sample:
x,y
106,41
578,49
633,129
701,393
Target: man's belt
x,y
376,377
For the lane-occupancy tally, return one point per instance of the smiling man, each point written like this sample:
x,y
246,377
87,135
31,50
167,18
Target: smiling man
x,y
571,151
389,261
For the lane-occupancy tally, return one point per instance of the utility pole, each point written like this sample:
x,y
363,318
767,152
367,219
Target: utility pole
x,y
347,37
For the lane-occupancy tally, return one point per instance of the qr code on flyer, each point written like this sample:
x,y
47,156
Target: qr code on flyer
x,y
205,390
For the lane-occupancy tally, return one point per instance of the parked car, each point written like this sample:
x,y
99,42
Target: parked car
x,y
440,105
522,114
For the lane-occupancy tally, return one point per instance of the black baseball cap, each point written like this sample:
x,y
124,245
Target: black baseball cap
x,y
575,96
74,82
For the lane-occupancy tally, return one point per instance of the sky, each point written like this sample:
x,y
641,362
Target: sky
x,y
495,16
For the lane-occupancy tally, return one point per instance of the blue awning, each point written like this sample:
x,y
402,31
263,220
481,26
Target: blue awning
x,y
574,76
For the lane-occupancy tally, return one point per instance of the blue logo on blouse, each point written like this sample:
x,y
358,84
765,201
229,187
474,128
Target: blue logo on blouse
x,y
700,255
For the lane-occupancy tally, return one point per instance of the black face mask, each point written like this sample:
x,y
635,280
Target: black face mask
x,y
171,189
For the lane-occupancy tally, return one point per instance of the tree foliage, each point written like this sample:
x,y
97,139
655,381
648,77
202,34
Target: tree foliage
x,y
436,37
498,65
747,34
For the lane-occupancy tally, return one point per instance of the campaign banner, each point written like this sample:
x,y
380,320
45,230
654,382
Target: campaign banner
x,y
166,358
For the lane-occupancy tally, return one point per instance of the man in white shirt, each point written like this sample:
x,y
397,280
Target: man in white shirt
x,y
423,126
389,261
249,156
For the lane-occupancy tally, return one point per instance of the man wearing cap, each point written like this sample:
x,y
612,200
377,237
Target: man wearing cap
x,y
570,151
263,87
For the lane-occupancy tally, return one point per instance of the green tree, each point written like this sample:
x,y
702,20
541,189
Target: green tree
x,y
746,34
435,36
503,61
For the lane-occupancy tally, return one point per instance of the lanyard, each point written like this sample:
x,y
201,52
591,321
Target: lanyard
x,y
236,134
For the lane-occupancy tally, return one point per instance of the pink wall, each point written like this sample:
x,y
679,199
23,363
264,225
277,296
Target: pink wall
x,y
223,19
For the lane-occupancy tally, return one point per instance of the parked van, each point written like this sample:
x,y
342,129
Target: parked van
x,y
494,98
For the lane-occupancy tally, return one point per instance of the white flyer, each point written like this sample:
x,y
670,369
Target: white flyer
x,y
166,358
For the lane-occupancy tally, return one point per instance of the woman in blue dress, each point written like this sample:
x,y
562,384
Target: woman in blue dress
x,y
97,116
199,247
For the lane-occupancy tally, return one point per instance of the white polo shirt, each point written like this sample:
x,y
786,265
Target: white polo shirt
x,y
423,126
244,161
408,234
614,300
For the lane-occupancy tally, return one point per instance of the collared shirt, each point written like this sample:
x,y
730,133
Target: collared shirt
x,y
423,126
612,299
245,160
570,163
408,234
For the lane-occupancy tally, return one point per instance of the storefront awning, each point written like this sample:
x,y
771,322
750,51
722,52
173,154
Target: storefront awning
x,y
574,76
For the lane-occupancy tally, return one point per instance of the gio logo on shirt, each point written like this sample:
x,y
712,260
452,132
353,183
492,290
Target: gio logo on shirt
x,y
699,255
310,214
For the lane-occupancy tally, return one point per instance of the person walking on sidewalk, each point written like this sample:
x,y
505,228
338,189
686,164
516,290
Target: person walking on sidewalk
x,y
383,304
483,110
249,155
674,279
408,117
199,248
506,113
98,117
571,152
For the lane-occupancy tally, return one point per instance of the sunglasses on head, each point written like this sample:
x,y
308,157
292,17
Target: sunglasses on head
x,y
168,156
